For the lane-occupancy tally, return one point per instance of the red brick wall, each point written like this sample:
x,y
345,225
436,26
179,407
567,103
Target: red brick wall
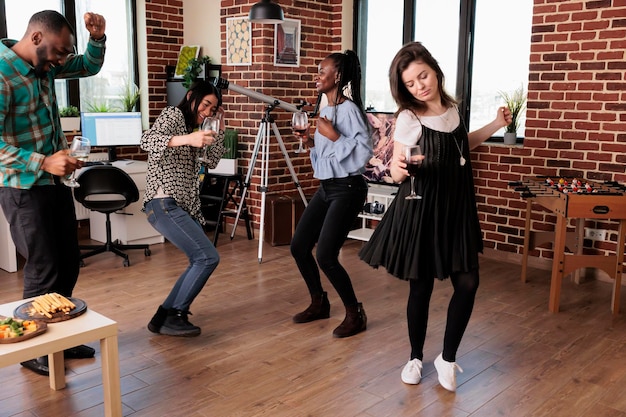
x,y
576,118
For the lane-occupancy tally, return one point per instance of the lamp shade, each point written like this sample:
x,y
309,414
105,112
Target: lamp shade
x,y
266,12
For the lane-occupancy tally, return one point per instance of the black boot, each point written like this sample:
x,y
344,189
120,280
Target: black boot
x,y
355,322
176,324
319,309
157,320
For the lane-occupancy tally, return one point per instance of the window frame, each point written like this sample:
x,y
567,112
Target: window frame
x,y
69,11
465,61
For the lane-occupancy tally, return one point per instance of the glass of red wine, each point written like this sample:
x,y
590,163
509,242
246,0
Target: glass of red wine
x,y
412,155
299,123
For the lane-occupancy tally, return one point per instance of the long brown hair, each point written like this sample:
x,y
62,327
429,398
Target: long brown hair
x,y
412,52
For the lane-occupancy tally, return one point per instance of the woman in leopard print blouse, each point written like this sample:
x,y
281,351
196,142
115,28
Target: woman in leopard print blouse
x,y
172,200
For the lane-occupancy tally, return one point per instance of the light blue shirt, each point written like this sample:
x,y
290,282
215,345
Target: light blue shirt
x,y
348,154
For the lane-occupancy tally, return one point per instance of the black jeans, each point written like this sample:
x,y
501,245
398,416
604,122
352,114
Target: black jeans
x,y
44,230
326,221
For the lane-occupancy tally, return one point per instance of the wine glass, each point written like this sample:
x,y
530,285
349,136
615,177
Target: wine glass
x,y
412,155
299,122
79,149
209,123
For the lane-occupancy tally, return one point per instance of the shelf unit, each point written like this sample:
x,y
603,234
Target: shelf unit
x,y
384,194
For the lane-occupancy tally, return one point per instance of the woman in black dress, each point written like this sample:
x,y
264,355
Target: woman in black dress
x,y
437,236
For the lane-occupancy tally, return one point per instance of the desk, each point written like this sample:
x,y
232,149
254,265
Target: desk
x,y
85,328
608,201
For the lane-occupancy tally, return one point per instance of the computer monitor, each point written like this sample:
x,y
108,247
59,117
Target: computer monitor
x,y
111,129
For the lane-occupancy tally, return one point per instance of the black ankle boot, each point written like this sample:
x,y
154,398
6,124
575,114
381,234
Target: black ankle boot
x,y
355,322
176,324
157,320
319,309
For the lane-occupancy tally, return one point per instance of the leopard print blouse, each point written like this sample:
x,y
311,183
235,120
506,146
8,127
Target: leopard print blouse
x,y
176,169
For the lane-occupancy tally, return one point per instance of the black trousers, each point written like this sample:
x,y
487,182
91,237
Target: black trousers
x,y
44,229
326,221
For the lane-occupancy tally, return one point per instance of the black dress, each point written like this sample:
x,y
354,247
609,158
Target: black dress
x,y
439,234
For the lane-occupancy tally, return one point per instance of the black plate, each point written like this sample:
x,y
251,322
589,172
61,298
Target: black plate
x,y
27,312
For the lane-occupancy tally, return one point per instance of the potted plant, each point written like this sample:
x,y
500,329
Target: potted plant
x,y
193,69
130,97
70,118
516,102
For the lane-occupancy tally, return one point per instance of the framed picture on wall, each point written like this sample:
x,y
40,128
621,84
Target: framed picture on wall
x,y
239,41
287,43
187,52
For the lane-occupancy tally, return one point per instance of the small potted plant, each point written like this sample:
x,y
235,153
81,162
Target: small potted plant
x,y
130,97
516,102
193,69
70,118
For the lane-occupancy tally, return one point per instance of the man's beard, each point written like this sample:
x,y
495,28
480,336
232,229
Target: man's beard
x,y
40,71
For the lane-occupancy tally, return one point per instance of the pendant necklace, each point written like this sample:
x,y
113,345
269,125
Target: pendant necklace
x,y
461,159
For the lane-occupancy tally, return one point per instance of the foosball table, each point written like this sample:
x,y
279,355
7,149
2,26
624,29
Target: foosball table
x,y
571,198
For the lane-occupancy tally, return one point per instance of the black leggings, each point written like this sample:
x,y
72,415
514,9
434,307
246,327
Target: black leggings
x,y
326,222
459,311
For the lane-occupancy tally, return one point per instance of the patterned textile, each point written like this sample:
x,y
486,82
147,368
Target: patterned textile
x,y
175,170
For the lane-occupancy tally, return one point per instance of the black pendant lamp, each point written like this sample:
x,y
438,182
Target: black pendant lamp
x,y
266,12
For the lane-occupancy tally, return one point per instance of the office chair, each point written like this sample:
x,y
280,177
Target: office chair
x,y
107,189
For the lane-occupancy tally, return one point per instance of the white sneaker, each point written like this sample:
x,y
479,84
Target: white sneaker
x,y
412,372
447,373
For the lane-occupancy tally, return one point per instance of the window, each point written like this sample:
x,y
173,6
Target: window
x,y
501,52
480,53
105,88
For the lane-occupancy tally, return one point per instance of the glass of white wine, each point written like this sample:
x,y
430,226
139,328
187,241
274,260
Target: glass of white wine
x,y
79,149
209,124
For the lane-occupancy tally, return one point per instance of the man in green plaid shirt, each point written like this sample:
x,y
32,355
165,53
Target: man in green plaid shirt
x,y
34,153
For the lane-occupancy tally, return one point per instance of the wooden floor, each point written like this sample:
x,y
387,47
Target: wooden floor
x,y
251,360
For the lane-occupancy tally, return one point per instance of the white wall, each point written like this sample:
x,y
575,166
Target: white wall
x,y
201,20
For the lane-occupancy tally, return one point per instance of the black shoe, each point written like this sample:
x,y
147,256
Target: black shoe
x,y
38,366
79,352
355,322
319,309
177,324
157,320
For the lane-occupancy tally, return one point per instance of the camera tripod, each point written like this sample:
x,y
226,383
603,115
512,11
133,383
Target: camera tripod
x,y
262,143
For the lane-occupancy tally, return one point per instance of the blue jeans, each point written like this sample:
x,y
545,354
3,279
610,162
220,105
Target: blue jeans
x,y
177,226
326,221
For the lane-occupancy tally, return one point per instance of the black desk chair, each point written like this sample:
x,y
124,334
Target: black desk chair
x,y
107,189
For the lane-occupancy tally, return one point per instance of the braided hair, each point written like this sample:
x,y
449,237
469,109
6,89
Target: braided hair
x,y
348,68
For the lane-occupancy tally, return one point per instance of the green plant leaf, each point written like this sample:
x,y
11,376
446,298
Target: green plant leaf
x,y
516,102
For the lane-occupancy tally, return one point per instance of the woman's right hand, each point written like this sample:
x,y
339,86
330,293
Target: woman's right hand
x,y
200,138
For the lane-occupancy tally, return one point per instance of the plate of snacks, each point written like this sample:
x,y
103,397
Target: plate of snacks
x,y
15,330
51,308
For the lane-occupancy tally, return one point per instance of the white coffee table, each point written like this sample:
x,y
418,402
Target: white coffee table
x,y
85,328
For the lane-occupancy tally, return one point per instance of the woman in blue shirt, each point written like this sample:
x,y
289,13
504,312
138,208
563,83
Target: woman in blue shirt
x,y
340,148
